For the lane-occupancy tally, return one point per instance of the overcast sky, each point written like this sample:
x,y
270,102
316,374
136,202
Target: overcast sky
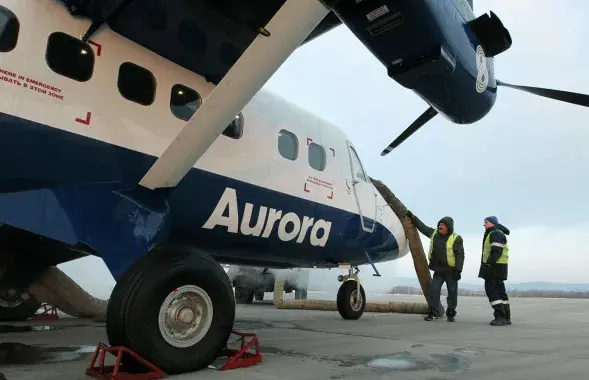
x,y
525,162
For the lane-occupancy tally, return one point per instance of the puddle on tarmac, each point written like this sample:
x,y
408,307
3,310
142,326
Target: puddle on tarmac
x,y
18,354
29,328
403,361
451,362
5,329
247,325
466,350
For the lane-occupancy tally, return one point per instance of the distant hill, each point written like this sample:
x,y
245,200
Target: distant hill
x,y
525,286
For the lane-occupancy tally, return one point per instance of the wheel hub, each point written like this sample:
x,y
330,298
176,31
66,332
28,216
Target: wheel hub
x,y
185,316
12,298
356,300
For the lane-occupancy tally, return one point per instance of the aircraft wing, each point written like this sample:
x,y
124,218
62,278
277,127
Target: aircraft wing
x,y
208,37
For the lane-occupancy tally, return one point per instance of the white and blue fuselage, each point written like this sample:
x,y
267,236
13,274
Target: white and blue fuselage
x,y
283,188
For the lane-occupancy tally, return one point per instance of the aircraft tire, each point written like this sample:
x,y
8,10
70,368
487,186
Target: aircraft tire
x,y
347,306
22,312
149,302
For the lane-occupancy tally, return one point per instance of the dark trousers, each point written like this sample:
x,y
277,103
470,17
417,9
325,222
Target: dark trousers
x,y
495,289
435,290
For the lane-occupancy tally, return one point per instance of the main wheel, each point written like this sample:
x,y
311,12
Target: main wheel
x,y
19,308
350,303
173,308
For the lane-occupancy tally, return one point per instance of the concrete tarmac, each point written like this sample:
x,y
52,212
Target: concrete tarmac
x,y
548,340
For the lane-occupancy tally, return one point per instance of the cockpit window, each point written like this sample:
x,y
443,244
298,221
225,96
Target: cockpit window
x,y
357,166
9,28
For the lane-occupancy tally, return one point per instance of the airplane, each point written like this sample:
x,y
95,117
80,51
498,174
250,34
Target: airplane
x,y
138,132
82,121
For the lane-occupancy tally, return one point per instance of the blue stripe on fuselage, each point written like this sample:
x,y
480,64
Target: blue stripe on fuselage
x,y
76,189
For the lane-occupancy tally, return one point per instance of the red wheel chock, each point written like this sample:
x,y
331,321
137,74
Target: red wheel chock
x,y
113,372
242,357
49,313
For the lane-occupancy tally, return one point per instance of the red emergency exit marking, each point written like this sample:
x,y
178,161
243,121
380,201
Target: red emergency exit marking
x,y
306,189
309,140
330,196
98,47
333,151
85,121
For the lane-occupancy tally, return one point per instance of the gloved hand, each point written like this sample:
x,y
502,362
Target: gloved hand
x,y
456,275
409,214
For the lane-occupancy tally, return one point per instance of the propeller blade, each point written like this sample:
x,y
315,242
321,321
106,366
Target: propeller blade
x,y
563,96
418,123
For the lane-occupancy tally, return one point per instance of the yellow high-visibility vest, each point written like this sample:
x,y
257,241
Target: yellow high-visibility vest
x,y
449,248
504,258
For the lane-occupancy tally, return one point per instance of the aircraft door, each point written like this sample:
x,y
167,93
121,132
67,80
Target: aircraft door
x,y
363,191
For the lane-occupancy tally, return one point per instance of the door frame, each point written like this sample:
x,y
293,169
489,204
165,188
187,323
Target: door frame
x,y
355,183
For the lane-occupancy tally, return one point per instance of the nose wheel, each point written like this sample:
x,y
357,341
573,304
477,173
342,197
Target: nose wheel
x,y
351,298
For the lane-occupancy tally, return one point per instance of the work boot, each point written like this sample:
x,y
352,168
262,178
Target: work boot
x,y
430,317
450,314
499,314
507,308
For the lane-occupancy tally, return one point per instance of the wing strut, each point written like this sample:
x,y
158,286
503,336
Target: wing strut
x,y
293,22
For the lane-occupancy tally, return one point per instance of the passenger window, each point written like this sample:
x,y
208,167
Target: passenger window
x,y
317,156
70,57
357,166
184,101
288,145
136,84
235,129
9,28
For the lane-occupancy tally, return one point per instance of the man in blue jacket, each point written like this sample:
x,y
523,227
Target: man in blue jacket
x,y
494,265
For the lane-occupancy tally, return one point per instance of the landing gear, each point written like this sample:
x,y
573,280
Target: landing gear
x,y
173,308
244,295
351,299
17,307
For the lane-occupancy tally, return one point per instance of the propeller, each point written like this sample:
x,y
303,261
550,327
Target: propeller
x,y
563,96
418,123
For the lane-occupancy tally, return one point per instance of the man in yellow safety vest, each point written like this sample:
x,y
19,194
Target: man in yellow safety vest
x,y
446,259
494,262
